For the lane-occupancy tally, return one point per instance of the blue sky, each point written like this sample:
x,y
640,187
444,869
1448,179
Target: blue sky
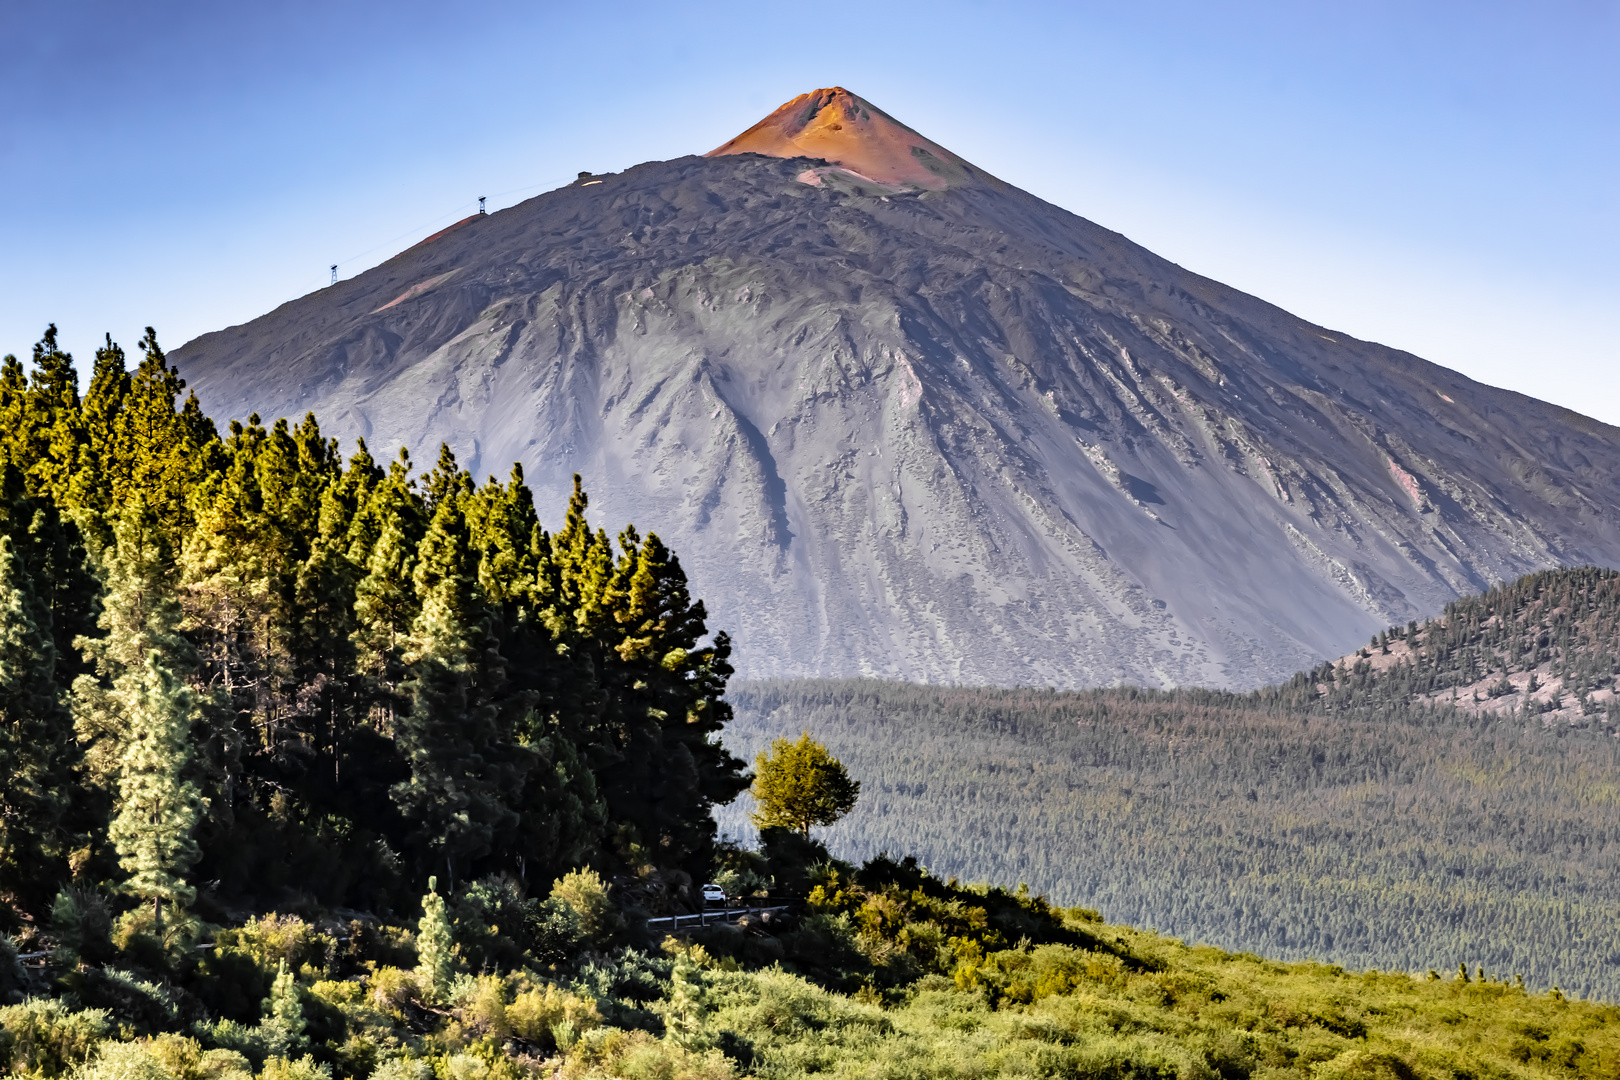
x,y
1441,177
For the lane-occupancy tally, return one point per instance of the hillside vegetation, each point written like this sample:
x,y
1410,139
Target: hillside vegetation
x,y
888,972
1354,814
1545,647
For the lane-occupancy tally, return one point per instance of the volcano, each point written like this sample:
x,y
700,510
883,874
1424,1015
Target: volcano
x,y
902,419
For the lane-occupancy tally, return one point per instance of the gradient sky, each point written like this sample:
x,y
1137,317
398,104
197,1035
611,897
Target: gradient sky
x,y
1440,177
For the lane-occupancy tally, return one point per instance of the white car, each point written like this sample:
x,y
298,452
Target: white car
x,y
713,894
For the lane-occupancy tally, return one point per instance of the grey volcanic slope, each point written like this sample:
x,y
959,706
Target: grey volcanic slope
x,y
958,435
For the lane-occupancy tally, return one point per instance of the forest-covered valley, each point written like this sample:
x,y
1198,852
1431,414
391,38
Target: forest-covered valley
x,y
1354,813
317,767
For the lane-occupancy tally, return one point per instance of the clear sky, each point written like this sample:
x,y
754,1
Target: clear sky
x,y
1440,177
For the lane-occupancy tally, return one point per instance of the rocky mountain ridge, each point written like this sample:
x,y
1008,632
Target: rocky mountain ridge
x,y
947,433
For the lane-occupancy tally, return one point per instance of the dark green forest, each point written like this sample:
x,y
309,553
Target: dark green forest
x,y
271,676
1354,814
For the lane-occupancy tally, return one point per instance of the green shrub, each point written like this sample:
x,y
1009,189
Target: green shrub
x,y
185,1059
82,924
637,1055
555,932
371,944
145,1006
623,985
403,1069
235,1037
535,1015
1360,1064
305,1068
273,939
125,1061
148,944
392,989
45,1039
13,979
586,894
340,993
479,1006
490,922
231,979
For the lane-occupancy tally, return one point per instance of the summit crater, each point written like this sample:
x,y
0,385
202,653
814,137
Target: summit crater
x,y
856,137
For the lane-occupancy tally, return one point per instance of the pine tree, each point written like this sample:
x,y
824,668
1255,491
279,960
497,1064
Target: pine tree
x,y
160,452
582,608
325,598
501,523
37,750
140,628
631,626
688,1006
562,816
239,563
573,569
435,947
54,423
447,482
322,648
103,401
466,767
140,614
15,435
332,633
284,1025
58,563
385,607
561,812
665,694
157,806
383,537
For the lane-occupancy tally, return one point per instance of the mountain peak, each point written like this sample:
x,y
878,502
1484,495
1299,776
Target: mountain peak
x,y
960,439
837,126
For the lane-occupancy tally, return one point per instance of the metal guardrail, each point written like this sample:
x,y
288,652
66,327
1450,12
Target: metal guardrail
x,y
198,947
706,918
675,922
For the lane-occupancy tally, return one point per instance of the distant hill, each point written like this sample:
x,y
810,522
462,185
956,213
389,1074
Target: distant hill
x,y
1544,649
904,420
1352,815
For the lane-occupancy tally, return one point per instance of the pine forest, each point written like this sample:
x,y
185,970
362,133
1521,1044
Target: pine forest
x,y
248,662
